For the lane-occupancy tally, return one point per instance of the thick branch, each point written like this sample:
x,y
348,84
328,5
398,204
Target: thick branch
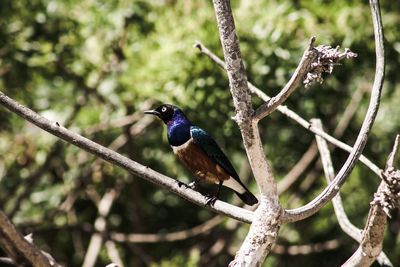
x,y
334,186
341,215
372,236
128,164
263,231
235,69
18,248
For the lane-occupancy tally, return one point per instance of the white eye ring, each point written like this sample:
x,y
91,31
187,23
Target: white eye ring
x,y
163,109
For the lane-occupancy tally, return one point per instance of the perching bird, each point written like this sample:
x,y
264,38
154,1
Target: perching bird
x,y
200,153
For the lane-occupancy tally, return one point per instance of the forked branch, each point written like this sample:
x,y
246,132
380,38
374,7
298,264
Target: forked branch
x,y
332,189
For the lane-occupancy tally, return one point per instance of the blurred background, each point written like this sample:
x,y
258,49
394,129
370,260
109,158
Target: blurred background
x,y
94,66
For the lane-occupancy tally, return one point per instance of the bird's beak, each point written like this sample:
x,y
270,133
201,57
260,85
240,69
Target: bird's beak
x,y
152,112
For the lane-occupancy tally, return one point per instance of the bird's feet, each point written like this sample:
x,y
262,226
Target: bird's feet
x,y
192,185
210,200
180,184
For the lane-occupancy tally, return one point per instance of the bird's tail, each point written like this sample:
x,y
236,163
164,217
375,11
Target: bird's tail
x,y
247,197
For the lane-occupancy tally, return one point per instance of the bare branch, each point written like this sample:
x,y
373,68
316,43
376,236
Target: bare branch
x,y
263,231
128,164
18,248
291,114
96,241
343,220
168,237
302,69
309,156
389,199
119,122
332,189
113,254
307,248
373,234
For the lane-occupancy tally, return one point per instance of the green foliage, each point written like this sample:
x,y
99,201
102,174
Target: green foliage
x,y
82,63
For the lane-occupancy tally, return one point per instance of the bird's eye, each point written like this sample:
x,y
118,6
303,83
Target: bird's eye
x,y
163,109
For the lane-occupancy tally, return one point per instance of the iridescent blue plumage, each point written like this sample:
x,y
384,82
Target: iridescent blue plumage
x,y
200,153
178,129
207,143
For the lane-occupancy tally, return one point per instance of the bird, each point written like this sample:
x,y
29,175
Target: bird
x,y
201,154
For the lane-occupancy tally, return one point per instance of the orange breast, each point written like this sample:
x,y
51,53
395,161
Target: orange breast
x,y
195,159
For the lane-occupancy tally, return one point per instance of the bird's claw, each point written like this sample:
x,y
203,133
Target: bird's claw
x,y
192,185
180,184
210,200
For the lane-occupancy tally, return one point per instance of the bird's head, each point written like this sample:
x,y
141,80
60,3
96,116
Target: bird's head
x,y
166,112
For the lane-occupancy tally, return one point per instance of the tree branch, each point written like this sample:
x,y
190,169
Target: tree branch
x,y
20,250
96,241
302,69
290,113
168,237
306,249
264,229
384,200
343,220
128,164
332,189
309,156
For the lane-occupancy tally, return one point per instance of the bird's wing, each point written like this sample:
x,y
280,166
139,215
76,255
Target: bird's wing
x,y
211,148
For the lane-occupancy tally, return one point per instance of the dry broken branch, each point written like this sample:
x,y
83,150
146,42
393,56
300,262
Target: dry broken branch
x,y
373,234
341,215
314,62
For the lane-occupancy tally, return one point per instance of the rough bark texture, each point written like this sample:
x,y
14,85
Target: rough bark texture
x,y
18,248
266,222
235,69
376,223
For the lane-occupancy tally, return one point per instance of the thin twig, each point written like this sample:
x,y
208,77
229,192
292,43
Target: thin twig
x,y
307,249
119,122
372,237
128,164
203,228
